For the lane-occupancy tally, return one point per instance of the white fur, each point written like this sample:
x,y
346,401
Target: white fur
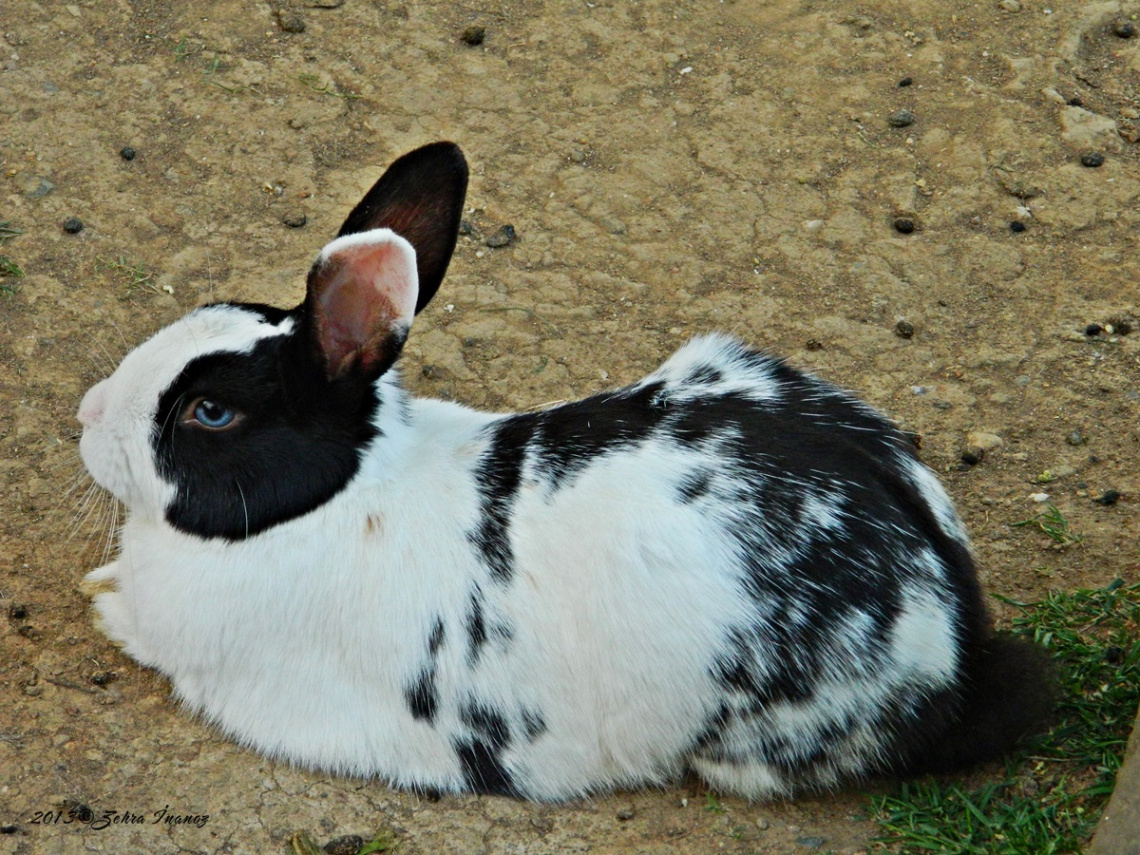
x,y
117,414
302,640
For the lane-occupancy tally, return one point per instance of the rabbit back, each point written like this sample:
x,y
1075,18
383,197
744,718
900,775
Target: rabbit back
x,y
745,557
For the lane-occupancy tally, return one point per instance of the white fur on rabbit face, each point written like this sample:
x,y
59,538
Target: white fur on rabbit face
x,y
119,414
162,433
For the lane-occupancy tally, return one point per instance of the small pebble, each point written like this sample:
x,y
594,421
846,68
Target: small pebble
x,y
503,237
1108,498
904,225
906,81
1010,5
1093,329
102,678
73,225
984,440
1092,160
290,22
349,844
465,227
904,329
763,824
1076,438
1039,498
613,225
811,842
9,829
813,344
971,458
294,220
1124,29
625,814
35,186
542,824
1017,227
1119,326
473,35
127,153
901,119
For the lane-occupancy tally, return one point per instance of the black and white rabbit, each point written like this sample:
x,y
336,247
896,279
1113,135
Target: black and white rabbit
x,y
729,566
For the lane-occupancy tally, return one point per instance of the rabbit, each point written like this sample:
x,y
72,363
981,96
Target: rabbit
x,y
729,568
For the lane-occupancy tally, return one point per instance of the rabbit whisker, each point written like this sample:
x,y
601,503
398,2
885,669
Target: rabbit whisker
x,y
244,507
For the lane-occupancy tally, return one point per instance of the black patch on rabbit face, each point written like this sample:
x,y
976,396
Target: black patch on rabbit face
x,y
297,442
483,772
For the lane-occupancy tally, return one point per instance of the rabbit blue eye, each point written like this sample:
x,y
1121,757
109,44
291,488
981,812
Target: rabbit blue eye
x,y
211,414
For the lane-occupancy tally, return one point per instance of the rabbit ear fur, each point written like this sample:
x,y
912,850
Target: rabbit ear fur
x,y
361,299
419,197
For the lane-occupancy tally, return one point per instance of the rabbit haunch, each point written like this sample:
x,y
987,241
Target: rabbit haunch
x,y
729,566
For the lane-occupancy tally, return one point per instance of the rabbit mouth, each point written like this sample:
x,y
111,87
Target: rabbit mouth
x,y
108,461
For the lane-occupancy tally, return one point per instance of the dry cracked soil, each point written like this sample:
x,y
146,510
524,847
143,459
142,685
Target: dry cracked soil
x,y
969,266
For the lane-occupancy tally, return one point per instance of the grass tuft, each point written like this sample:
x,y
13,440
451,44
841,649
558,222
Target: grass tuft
x,y
314,83
9,231
9,270
1053,792
134,274
1053,523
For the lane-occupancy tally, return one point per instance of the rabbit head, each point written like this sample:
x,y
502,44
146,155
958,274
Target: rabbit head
x,y
241,416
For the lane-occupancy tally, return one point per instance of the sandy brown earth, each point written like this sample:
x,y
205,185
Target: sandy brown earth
x,y
669,168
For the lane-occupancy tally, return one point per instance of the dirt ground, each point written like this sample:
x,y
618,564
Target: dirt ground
x,y
669,168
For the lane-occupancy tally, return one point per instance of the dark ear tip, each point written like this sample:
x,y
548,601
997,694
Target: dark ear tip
x,y
443,155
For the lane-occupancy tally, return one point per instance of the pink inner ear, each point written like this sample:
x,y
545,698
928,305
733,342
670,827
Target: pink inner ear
x,y
364,290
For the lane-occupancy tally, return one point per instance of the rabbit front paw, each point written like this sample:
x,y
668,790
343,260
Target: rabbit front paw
x,y
114,620
113,617
103,580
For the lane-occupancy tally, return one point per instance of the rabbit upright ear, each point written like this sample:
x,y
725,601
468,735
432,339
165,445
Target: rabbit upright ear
x,y
360,302
420,198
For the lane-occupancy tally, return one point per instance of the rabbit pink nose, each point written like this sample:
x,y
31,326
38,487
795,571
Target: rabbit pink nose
x,y
91,407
